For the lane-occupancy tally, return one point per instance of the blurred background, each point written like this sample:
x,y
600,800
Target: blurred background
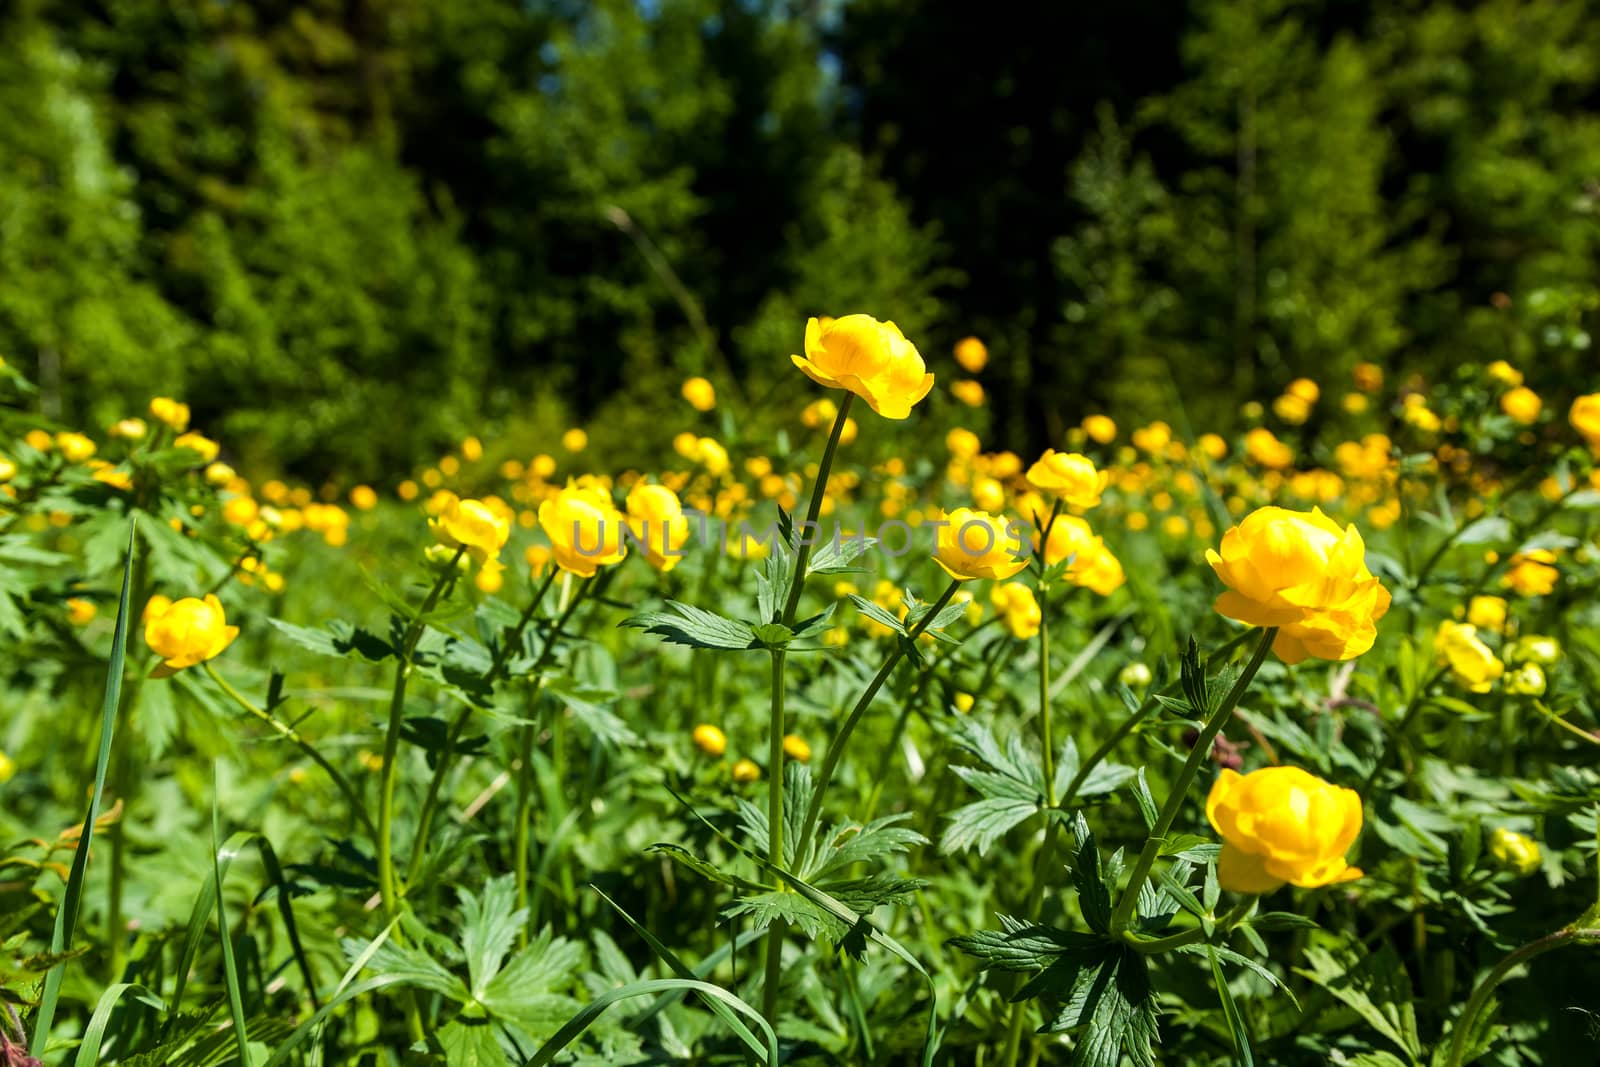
x,y
350,232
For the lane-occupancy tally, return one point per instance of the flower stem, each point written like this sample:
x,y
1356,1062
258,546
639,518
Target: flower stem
x,y
1123,914
1464,1026
776,724
290,734
388,884
446,760
830,759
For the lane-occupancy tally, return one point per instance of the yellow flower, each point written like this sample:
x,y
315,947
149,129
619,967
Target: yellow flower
x,y
585,529
8,768
1304,389
1093,566
491,576
186,632
363,498
1071,476
1354,403
1527,680
1522,404
575,440
1300,572
657,524
795,747
712,456
745,771
1585,418
1487,613
1532,573
199,443
871,359
473,525
1019,609
1263,447
1514,851
1100,428
108,474
977,544
538,558
1281,824
968,392
709,739
170,412
128,429
972,354
81,612
1504,373
963,702
962,443
701,394
75,447
1368,377
1212,445
220,474
39,440
8,469
471,449
1473,665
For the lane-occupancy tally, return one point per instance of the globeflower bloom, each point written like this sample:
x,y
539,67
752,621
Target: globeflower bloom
x,y
585,529
1473,664
1093,566
869,358
472,525
1300,572
701,394
709,739
972,354
1282,824
1071,476
657,523
1532,573
1019,609
205,447
186,632
75,447
977,544
1522,404
171,412
1585,418
1514,851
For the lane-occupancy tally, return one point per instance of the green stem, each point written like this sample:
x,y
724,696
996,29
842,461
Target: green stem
x,y
1123,914
290,734
775,725
525,739
446,760
1480,996
388,884
836,747
123,781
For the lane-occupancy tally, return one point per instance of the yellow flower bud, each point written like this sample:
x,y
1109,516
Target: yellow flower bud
x,y
972,354
871,359
968,392
709,739
129,429
363,498
1532,573
81,612
574,440
171,412
1100,428
1527,681
745,771
1487,613
1514,851
75,447
1522,404
1300,572
1281,824
1585,418
199,444
795,747
701,394
1473,665
963,702
8,768
186,632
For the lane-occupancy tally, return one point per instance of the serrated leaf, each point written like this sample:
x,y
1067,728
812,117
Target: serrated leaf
x,y
981,823
685,624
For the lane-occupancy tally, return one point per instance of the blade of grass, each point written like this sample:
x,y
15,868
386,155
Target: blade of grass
x,y
95,1034
230,972
595,1008
682,970
67,914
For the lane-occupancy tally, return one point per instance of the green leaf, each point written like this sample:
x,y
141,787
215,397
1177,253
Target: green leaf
x,y
489,927
471,1043
878,614
1375,986
982,823
592,1011
684,624
341,640
67,912
1094,895
1230,1012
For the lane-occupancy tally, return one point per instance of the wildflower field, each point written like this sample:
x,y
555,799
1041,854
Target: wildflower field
x,y
1154,748
799,532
